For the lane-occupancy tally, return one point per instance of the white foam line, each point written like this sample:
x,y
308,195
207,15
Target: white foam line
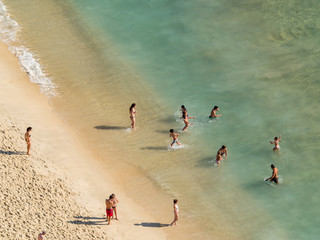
x,y
9,29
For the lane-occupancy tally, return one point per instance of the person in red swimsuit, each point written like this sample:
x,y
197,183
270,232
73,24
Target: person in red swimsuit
x,y
109,209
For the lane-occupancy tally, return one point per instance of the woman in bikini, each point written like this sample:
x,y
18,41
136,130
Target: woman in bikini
x,y
276,143
175,212
185,117
27,138
115,202
133,113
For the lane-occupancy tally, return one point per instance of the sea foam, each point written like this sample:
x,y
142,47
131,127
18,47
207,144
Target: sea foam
x,y
9,29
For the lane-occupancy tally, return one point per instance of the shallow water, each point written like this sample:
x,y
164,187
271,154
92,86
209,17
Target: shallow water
x,y
257,60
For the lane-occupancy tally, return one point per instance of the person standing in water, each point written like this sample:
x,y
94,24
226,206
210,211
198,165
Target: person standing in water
x,y
274,176
27,138
218,157
185,113
174,137
133,114
223,151
276,143
109,208
115,202
175,212
214,112
185,117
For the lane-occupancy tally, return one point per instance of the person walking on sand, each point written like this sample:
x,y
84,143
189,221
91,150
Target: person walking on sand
x,y
41,236
274,176
214,112
115,202
27,138
109,208
174,137
276,143
133,114
175,212
223,151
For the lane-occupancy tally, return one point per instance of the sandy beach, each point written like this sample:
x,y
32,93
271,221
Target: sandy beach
x,y
59,188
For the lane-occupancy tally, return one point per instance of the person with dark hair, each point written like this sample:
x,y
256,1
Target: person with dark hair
x,y
214,112
175,212
218,157
27,138
174,137
274,177
41,236
223,151
185,117
133,114
184,113
276,143
109,208
115,202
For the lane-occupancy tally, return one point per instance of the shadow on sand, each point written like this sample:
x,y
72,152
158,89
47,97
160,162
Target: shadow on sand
x,y
151,224
89,220
104,127
13,152
155,148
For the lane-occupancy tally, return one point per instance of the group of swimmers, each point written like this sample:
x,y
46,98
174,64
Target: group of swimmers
x,y
222,153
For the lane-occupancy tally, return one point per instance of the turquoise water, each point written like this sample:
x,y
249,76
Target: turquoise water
x,y
257,60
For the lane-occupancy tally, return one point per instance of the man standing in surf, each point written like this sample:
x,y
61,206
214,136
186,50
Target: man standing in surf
x,y
274,176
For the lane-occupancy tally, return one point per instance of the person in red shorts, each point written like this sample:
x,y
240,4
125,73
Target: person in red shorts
x,y
109,208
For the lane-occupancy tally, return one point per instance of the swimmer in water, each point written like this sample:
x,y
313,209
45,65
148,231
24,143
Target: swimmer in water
x,y
223,151
27,138
133,114
219,157
214,112
276,143
274,177
174,137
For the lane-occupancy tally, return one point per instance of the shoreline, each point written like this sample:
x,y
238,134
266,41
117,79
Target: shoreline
x,y
54,141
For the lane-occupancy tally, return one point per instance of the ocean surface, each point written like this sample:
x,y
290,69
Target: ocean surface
x,y
257,60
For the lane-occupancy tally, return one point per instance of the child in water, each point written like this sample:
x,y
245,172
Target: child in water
x,y
219,157
276,143
174,137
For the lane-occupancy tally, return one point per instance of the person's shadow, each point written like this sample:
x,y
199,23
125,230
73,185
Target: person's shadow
x,y
152,224
104,127
12,152
80,220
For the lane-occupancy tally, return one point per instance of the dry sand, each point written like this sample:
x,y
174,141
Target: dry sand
x,y
60,188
